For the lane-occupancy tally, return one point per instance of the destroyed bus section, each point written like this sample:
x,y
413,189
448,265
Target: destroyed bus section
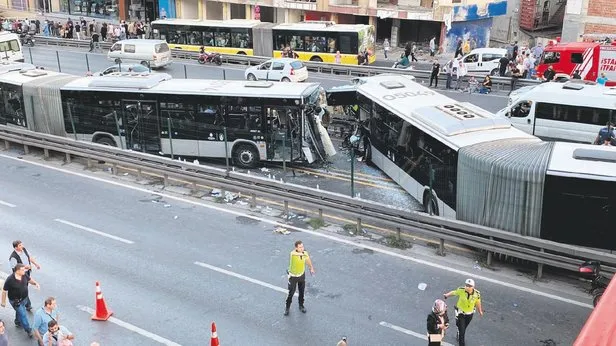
x,y
246,121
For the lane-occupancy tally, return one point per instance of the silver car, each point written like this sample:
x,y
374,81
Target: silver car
x,y
137,68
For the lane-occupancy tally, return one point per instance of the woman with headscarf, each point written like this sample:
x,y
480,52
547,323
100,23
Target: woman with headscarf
x,y
437,323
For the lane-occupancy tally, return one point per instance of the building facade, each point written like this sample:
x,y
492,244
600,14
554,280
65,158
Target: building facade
x,y
541,14
589,20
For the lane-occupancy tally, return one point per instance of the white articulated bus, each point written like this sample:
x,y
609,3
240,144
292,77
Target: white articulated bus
x,y
572,111
485,171
412,128
263,121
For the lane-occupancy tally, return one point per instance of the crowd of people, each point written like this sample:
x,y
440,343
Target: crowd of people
x,y
45,327
81,29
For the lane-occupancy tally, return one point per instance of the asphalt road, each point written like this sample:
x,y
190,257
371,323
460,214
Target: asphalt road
x,y
144,247
73,61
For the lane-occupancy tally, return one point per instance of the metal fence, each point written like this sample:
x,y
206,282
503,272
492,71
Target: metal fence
x,y
542,252
498,83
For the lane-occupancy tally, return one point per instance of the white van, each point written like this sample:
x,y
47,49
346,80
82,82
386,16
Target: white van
x,y
481,60
571,111
154,52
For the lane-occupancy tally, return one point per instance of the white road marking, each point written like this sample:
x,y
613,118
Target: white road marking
x,y
88,229
133,328
466,274
243,277
409,332
7,204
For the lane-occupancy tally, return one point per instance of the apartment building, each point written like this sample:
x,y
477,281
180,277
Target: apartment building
x,y
589,20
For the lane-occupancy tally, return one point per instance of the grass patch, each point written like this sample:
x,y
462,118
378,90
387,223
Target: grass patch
x,y
316,223
399,243
350,228
219,199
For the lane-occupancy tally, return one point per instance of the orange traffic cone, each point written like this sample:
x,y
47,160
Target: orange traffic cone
x,y
101,313
214,341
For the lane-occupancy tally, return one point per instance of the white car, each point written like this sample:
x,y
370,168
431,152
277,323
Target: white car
x,y
481,60
282,69
136,68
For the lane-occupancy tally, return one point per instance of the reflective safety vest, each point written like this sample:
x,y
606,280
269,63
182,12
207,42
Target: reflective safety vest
x,y
297,263
467,302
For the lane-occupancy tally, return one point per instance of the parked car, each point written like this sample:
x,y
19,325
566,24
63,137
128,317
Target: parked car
x,y
282,69
481,60
137,68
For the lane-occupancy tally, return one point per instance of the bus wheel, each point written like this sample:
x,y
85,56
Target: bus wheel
x,y
316,59
251,77
105,141
246,156
430,204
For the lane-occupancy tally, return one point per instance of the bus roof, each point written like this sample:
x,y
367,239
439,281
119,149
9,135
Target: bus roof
x,y
580,160
23,75
321,26
161,83
573,94
229,23
456,124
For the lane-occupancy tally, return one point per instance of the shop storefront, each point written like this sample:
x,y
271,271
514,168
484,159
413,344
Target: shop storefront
x,y
105,9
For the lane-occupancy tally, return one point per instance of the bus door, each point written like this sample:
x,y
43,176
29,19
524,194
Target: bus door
x,y
283,133
142,130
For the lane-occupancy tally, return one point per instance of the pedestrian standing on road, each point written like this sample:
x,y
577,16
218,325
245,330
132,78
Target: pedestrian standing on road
x,y
433,46
413,52
386,47
42,316
16,287
436,69
450,73
20,255
57,335
297,275
469,300
4,339
437,323
338,57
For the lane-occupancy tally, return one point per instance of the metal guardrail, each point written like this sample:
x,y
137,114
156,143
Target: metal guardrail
x,y
542,252
498,83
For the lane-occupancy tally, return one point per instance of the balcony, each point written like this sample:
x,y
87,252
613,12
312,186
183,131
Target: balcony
x,y
401,9
306,5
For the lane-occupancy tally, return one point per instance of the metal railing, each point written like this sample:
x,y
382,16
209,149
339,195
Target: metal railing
x,y
498,83
492,241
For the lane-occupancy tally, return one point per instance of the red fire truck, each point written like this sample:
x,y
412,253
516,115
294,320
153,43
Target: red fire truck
x,y
588,58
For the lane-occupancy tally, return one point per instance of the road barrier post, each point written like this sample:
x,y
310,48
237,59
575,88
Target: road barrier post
x,y
58,60
185,73
352,172
87,62
284,150
170,137
31,59
224,129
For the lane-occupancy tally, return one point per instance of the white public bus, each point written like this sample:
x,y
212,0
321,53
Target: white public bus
x,y
572,111
10,48
485,171
412,127
263,121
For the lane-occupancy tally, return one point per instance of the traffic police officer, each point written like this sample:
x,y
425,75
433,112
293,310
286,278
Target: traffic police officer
x,y
468,299
297,274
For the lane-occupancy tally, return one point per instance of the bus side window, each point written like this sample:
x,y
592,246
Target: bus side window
x,y
331,44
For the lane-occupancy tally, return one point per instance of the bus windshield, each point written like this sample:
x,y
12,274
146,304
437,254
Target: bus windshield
x,y
9,46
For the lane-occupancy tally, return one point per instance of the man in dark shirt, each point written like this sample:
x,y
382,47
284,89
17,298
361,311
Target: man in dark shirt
x,y
502,67
576,75
16,287
436,69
